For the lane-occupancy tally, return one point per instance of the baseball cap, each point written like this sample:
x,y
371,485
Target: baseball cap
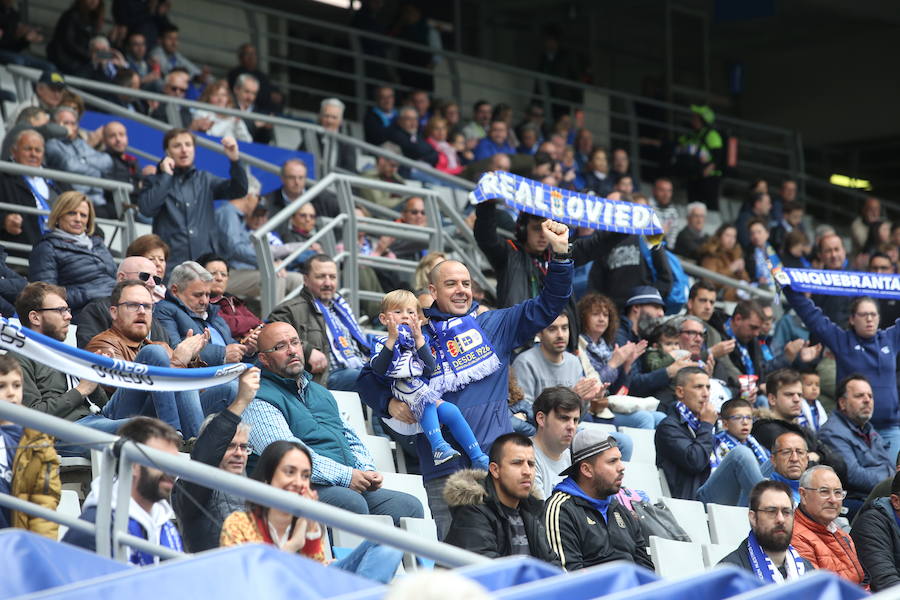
x,y
587,443
52,78
644,294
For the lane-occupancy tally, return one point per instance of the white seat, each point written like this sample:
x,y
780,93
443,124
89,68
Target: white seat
x,y
728,525
423,528
604,427
664,483
644,444
68,506
286,137
713,553
640,476
380,449
676,559
345,539
411,484
691,515
351,411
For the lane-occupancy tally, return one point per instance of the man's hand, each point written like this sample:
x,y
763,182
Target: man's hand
x,y
375,479
723,348
588,388
251,340
190,346
12,223
557,234
400,411
678,365
235,352
359,482
318,362
86,388
167,165
248,384
810,353
792,348
708,413
231,148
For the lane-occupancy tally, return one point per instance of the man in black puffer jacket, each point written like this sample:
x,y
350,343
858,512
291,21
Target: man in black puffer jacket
x,y
876,533
495,513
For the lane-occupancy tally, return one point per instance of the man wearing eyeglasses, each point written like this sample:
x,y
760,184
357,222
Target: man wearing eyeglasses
x,y
413,214
176,85
816,536
767,551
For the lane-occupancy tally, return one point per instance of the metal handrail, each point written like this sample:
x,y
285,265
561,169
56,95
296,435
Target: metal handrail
x,y
212,477
703,273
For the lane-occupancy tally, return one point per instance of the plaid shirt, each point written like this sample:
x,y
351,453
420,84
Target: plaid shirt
x,y
268,425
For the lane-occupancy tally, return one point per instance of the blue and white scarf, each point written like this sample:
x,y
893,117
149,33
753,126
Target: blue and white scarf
x,y
690,418
43,201
168,538
725,443
765,570
342,348
405,372
812,416
839,282
745,354
462,351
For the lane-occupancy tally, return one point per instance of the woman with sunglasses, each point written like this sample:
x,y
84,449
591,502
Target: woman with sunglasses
x,y
288,466
71,256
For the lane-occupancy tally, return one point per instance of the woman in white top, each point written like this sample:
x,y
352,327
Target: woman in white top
x,y
222,125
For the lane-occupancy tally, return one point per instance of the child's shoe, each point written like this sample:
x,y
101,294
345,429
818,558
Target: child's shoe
x,y
443,453
481,462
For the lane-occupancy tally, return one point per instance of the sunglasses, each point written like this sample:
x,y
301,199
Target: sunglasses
x,y
145,276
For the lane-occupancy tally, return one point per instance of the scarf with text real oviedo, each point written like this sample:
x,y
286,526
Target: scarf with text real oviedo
x,y
110,371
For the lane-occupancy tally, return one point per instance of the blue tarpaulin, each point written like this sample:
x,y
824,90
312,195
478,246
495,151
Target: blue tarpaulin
x,y
822,585
583,584
32,563
717,584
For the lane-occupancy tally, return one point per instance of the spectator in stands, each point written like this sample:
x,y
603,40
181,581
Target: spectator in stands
x,y
834,258
68,48
767,551
625,266
136,58
15,38
131,307
816,536
722,254
870,212
125,167
436,135
661,201
737,417
557,412
704,148
153,248
104,63
342,465
477,128
11,284
48,93
248,64
888,308
31,117
246,90
876,533
301,228
790,458
449,110
758,207
421,101
685,442
577,515
692,238
528,139
496,141
702,304
405,133
595,175
70,255
599,320
791,220
29,465
241,321
217,94
180,197
149,513
176,85
499,512
379,118
223,442
95,317
413,213
480,394
331,116
385,170
288,465
293,184
74,155
850,432
167,56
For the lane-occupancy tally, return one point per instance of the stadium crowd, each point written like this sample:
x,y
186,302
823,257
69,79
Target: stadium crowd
x,y
789,410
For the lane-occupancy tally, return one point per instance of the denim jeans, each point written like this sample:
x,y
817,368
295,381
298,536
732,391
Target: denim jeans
x,y
217,398
371,560
641,419
98,422
891,437
440,512
733,479
380,502
343,380
181,410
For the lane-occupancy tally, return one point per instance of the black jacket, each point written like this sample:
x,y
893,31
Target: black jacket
x,y
683,455
620,267
480,524
11,284
877,538
15,190
582,538
413,146
741,558
94,318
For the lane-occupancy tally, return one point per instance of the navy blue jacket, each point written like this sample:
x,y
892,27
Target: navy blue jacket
x,y
484,402
640,382
683,455
176,319
181,206
11,284
875,358
86,274
868,463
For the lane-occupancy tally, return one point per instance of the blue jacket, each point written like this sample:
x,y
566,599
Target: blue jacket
x,y
484,402
639,380
875,358
868,464
487,148
233,238
86,274
181,206
176,319
683,455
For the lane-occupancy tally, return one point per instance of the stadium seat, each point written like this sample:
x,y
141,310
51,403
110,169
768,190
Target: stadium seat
x,y
728,525
664,483
676,559
713,553
351,411
424,528
411,484
380,448
605,427
644,444
640,476
345,539
691,515
68,506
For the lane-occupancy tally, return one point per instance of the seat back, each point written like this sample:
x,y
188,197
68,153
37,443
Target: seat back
x,y
691,515
676,559
728,525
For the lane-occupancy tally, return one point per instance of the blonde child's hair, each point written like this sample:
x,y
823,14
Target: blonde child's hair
x,y
399,298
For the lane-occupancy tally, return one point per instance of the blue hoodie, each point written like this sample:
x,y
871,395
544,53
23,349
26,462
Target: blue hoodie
x,y
569,486
483,403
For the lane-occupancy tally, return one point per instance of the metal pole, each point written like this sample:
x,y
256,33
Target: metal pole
x,y
123,502
104,502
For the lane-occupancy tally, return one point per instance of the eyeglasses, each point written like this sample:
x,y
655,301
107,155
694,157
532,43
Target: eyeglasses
x,y
416,212
787,513
178,90
825,493
867,315
135,306
281,346
219,273
741,418
245,448
790,452
62,310
145,276
691,333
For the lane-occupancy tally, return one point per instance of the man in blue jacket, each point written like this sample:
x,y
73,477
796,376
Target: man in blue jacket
x,y
849,431
473,356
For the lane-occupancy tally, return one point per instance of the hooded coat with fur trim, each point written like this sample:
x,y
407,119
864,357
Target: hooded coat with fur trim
x,y
480,523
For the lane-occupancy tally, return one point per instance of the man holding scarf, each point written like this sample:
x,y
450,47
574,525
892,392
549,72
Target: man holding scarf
x,y
335,348
473,355
767,551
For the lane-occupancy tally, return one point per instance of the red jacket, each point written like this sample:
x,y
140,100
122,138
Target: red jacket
x,y
236,314
826,549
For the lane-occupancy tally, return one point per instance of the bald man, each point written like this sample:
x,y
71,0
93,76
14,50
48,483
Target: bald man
x,y
289,405
473,355
95,317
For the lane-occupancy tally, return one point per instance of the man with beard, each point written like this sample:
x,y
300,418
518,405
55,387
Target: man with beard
x,y
586,526
149,513
767,551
